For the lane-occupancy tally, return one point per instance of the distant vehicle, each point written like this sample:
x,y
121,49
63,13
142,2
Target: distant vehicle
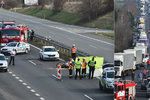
x,y
124,63
125,90
142,41
48,52
20,47
106,81
10,34
4,24
3,63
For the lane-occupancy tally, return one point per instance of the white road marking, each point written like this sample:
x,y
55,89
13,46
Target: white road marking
x,y
93,46
32,62
88,97
54,75
37,94
32,90
10,72
13,75
70,39
28,87
20,80
24,84
17,77
41,98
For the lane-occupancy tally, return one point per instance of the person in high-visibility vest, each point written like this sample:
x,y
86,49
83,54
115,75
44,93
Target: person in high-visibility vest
x,y
70,67
73,52
91,65
84,63
78,68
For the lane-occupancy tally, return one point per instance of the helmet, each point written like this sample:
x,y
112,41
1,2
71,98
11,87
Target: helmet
x,y
73,45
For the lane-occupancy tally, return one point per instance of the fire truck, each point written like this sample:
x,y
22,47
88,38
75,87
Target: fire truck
x,y
125,90
13,33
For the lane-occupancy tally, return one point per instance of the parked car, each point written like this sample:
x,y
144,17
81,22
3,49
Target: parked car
x,y
3,63
19,47
49,53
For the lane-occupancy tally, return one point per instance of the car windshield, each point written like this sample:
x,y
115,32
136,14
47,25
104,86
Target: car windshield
x,y
2,58
11,44
110,74
49,50
11,32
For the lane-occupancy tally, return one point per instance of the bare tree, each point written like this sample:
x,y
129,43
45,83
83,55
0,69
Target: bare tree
x,y
58,5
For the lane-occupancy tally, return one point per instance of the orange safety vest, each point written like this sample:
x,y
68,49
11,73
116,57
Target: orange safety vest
x,y
84,65
73,50
70,65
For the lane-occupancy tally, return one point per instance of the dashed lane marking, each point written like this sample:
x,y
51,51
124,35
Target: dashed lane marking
x,y
10,72
88,97
37,94
32,62
17,77
13,75
32,90
28,87
24,84
21,81
42,98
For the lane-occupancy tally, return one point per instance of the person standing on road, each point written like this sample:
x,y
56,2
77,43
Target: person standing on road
x,y
73,52
84,63
32,35
132,74
70,67
12,57
78,68
91,65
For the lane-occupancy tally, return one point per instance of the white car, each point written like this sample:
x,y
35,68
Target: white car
x,y
48,52
3,63
20,47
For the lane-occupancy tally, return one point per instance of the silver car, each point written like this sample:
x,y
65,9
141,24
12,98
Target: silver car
x,y
3,63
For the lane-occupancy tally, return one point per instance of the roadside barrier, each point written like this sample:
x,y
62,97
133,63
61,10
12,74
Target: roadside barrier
x,y
59,72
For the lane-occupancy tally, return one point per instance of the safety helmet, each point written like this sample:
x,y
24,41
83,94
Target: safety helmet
x,y
73,45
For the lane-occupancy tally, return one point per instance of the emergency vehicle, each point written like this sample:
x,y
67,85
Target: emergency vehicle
x,y
13,33
125,90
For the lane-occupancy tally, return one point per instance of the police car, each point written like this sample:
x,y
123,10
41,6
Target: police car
x,y
19,47
106,81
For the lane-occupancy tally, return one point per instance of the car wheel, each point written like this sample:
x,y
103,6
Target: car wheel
x,y
5,70
26,51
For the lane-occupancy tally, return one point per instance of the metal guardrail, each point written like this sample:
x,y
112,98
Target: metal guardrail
x,y
60,46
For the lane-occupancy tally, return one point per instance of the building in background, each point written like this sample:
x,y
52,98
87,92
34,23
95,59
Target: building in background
x,y
30,2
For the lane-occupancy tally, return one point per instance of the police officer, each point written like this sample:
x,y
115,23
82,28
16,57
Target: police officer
x,y
78,68
73,52
12,57
91,65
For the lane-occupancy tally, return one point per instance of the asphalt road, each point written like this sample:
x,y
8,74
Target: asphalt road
x,y
32,79
66,34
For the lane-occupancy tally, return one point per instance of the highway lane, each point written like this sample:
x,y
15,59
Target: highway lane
x,y
12,89
60,33
39,76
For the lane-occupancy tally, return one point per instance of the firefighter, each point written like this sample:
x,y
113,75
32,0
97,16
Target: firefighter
x,y
12,57
91,65
70,67
78,68
73,52
32,35
84,63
